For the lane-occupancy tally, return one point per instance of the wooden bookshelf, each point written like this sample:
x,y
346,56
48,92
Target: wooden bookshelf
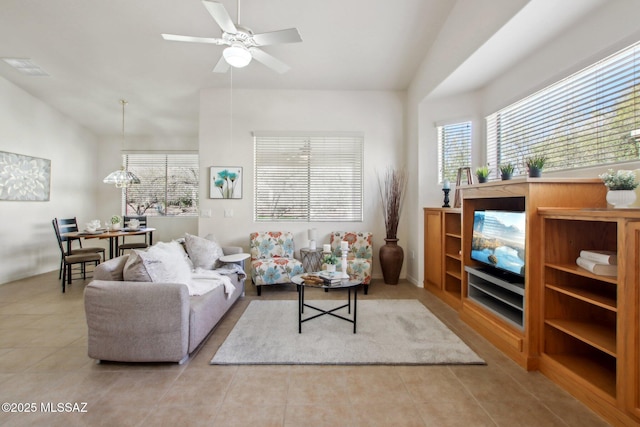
x,y
590,329
442,254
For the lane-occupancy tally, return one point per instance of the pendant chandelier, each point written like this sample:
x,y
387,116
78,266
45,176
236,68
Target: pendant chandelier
x,y
122,178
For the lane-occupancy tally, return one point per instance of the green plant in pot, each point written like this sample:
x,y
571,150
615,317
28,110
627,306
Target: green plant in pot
x,y
483,173
506,171
115,222
331,260
621,185
535,164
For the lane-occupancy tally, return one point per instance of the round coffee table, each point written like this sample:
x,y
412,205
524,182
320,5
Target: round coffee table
x,y
347,284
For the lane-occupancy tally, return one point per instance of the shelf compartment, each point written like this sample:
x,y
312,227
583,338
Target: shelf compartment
x,y
453,266
506,312
587,289
580,318
572,268
452,245
600,337
594,366
504,299
564,239
586,295
453,224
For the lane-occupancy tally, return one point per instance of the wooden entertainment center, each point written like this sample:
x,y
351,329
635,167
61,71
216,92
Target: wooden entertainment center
x,y
579,329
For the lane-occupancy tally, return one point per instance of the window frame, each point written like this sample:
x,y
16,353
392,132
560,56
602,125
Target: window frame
x,y
135,161
455,130
324,183
590,118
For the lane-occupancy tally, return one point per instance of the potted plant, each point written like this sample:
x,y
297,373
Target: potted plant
x,y
506,171
483,173
330,260
392,196
621,185
535,164
115,222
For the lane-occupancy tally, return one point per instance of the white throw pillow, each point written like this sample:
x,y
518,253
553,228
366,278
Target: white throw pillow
x,y
203,252
166,263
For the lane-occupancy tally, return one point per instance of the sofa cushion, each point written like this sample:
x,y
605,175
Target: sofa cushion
x,y
203,252
134,269
166,263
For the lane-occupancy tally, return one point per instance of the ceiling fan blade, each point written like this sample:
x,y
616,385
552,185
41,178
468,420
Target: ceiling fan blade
x,y
222,66
177,38
290,35
268,60
219,13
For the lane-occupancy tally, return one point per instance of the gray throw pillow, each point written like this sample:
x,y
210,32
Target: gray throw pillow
x,y
203,252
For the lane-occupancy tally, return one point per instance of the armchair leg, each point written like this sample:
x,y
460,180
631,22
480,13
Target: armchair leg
x,y
366,289
259,290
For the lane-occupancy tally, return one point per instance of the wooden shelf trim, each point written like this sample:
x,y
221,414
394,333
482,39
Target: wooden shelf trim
x,y
597,336
574,269
457,257
585,295
454,274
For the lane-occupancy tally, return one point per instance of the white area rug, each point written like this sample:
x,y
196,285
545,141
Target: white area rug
x,y
389,332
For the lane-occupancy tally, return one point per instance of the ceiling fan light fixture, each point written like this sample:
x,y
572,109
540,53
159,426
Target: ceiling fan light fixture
x,y
237,55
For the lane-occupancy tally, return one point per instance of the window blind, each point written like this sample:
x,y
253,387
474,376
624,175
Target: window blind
x,y
454,149
169,184
589,118
308,178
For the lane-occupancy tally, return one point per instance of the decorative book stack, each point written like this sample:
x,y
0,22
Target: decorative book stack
x,y
331,277
603,263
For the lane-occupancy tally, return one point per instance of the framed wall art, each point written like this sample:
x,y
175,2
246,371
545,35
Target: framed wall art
x,y
225,182
24,178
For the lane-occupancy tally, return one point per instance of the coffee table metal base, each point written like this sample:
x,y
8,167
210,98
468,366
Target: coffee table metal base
x,y
302,305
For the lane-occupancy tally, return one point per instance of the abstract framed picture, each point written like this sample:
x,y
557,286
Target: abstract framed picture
x,y
24,178
225,182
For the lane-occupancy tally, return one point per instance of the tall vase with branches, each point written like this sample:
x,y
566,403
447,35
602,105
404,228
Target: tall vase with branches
x,y
392,190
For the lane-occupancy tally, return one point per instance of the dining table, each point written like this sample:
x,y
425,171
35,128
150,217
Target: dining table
x,y
112,235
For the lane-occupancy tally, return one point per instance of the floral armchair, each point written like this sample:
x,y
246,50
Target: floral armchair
x,y
272,260
360,257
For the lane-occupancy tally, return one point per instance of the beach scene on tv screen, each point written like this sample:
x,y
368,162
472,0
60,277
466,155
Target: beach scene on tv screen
x,y
498,239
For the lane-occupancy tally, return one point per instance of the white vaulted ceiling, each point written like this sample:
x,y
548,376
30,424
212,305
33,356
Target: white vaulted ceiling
x,y
98,52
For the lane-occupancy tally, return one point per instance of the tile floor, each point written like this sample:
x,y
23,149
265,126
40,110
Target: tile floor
x,y
43,360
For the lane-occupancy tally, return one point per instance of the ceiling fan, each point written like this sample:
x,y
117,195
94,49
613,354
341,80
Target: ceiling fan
x,y
242,43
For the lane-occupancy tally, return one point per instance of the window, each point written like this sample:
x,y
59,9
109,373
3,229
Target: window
x,y
454,149
308,177
589,118
168,184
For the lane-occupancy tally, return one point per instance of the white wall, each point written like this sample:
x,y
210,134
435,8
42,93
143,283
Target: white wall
x,y
379,115
32,128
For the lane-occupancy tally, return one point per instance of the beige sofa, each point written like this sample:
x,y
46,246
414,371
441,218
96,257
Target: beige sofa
x,y
132,321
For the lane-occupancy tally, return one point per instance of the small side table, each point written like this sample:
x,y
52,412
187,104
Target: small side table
x,y
311,259
235,259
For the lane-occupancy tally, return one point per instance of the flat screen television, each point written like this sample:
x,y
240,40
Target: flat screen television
x,y
499,240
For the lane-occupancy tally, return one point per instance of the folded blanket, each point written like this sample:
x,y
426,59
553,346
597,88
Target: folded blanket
x,y
197,286
231,268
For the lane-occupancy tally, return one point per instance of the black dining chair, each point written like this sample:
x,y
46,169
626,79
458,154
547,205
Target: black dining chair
x,y
68,260
68,225
134,245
